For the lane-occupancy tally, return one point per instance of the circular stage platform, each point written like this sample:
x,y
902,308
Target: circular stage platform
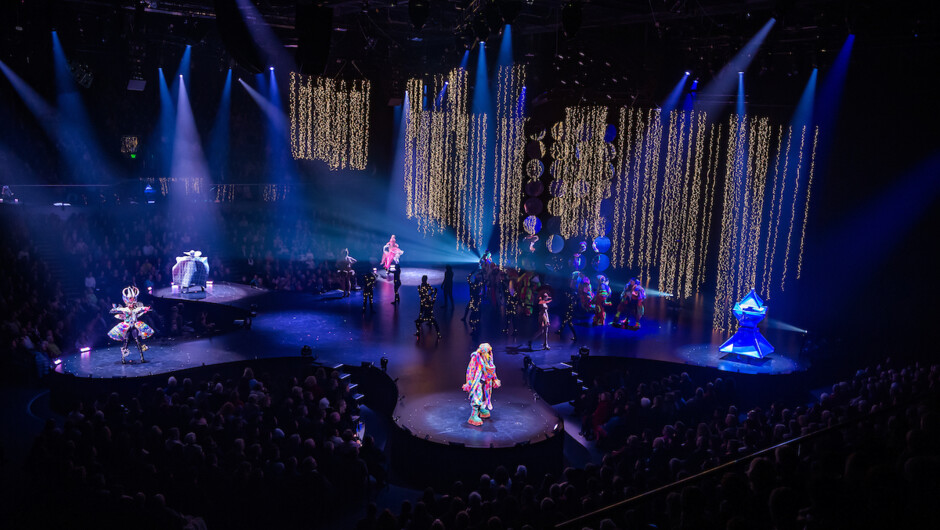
x,y
433,429
233,294
518,416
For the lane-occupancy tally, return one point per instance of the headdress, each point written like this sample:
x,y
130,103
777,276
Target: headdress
x,y
130,295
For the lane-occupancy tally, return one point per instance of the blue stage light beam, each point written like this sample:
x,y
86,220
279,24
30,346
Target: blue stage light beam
x,y
464,59
713,96
673,99
184,67
219,136
270,111
483,104
162,139
81,151
505,47
689,103
803,115
739,108
281,163
829,102
189,161
44,112
272,49
440,96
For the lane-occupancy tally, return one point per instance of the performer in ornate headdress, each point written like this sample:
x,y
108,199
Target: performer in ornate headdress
x,y
428,297
390,254
130,324
480,382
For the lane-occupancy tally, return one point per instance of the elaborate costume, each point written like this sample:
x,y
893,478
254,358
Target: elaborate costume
x,y
191,271
391,252
428,297
630,309
480,382
601,301
130,324
344,266
585,292
475,281
543,320
368,290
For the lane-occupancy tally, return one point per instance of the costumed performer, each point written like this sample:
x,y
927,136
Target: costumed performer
x,y
601,302
345,268
130,324
368,290
391,252
543,320
428,297
480,382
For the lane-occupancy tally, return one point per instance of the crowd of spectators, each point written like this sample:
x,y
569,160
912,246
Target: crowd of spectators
x,y
880,471
251,452
106,249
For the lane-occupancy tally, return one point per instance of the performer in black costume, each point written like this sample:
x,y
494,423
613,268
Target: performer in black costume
x,y
368,290
512,306
571,302
396,273
544,321
476,300
428,296
344,267
447,286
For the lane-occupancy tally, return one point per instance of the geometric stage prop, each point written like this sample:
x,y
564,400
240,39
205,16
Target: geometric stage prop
x,y
747,340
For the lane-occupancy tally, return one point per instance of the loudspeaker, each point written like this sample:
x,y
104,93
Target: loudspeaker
x,y
314,26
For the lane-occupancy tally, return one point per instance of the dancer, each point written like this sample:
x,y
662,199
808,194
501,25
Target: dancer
x,y
396,274
368,290
512,303
480,382
600,302
130,324
571,302
447,286
476,299
428,296
585,292
630,309
391,252
346,272
543,320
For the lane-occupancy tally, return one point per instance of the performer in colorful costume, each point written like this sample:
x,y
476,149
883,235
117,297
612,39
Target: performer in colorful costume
x,y
130,324
481,380
391,252
630,307
585,292
601,303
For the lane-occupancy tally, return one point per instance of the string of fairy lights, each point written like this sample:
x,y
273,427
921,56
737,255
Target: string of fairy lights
x,y
329,120
510,156
664,180
445,159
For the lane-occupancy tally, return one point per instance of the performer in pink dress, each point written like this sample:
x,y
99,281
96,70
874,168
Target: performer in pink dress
x,y
390,254
480,382
130,324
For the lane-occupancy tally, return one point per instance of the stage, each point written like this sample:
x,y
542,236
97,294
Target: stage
x,y
432,411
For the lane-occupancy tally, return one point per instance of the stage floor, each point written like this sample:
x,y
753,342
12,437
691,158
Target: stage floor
x,y
338,332
233,294
518,416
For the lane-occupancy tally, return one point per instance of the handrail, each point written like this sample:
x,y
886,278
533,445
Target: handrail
x,y
636,499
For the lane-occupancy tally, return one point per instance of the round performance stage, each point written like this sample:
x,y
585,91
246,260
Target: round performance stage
x,y
433,429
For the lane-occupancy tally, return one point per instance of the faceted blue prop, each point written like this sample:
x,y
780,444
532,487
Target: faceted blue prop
x,y
748,341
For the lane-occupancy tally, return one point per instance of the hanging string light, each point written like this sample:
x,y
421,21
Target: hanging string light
x,y
510,156
809,189
330,120
796,191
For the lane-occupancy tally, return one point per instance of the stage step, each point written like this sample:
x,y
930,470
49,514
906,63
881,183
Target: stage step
x,y
358,397
352,386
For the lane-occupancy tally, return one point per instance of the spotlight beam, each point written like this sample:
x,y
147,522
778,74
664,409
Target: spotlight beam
x,y
712,96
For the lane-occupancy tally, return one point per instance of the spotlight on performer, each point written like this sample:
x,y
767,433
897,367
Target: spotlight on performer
x,y
584,351
306,351
384,363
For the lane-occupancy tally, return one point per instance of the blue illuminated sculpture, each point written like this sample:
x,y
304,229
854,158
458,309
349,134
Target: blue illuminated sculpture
x,y
748,341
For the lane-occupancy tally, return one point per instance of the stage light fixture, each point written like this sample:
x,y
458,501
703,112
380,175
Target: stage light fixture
x,y
418,11
688,72
271,68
